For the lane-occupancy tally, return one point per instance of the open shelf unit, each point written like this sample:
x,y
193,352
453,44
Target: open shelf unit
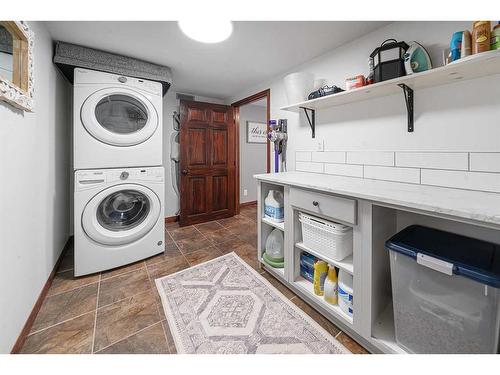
x,y
274,224
307,287
474,66
344,264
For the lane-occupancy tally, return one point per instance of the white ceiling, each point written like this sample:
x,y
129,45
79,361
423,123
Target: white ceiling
x,y
255,52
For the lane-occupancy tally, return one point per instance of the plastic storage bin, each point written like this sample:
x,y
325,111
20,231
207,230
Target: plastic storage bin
x,y
327,238
445,292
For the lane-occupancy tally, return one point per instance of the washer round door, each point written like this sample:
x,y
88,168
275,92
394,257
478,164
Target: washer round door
x,y
119,116
121,214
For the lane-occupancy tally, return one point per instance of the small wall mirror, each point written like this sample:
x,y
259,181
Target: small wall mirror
x,y
16,64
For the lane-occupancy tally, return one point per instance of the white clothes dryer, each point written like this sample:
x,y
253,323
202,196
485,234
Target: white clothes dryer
x,y
117,121
118,217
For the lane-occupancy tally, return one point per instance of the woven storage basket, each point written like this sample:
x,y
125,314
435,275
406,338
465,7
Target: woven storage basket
x,y
330,239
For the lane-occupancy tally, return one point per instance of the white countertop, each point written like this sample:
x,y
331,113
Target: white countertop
x,y
473,205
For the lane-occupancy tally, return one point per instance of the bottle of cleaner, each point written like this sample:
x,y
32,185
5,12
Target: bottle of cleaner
x,y
331,286
273,206
320,271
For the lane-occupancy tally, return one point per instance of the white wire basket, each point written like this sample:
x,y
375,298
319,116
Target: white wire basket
x,y
329,239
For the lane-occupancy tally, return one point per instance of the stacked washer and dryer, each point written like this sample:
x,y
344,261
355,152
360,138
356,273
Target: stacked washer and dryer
x,y
119,177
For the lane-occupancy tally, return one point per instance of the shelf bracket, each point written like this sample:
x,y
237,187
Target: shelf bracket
x,y
408,94
311,120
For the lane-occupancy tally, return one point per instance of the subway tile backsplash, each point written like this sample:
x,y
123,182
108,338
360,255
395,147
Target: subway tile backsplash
x,y
344,170
485,162
462,170
303,156
462,180
370,158
328,157
408,175
309,167
433,160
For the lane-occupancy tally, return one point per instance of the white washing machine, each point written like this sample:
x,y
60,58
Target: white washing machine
x,y
118,217
117,121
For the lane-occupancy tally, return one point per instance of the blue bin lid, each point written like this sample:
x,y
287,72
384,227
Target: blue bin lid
x,y
475,259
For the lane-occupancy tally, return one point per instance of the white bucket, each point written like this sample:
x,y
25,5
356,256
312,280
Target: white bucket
x,y
298,86
345,292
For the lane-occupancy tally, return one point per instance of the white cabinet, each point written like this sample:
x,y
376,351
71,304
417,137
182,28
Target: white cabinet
x,y
331,207
373,223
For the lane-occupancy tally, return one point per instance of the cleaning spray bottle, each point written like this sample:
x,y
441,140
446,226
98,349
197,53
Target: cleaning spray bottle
x,y
331,286
320,270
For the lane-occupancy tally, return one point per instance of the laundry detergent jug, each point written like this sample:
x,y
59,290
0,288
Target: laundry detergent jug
x,y
273,206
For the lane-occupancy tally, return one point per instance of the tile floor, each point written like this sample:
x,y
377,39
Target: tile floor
x,y
119,311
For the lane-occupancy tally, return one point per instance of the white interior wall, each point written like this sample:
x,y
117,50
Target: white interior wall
x,y
34,213
253,158
171,104
458,117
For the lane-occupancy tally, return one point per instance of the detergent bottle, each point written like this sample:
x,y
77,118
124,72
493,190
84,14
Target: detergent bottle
x,y
331,286
273,206
320,270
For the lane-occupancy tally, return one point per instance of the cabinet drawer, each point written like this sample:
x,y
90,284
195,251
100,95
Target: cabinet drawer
x,y
337,208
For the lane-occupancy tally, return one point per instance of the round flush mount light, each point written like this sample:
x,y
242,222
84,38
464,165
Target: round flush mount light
x,y
207,32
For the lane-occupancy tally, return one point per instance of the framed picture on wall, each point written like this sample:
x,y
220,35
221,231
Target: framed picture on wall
x,y
256,132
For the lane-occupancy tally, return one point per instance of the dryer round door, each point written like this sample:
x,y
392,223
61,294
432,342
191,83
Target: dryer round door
x,y
119,116
121,214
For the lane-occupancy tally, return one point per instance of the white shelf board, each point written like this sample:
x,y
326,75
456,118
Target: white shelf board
x,y
345,264
474,66
383,331
279,272
307,287
274,223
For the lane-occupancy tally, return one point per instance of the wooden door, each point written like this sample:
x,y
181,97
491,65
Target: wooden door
x,y
207,162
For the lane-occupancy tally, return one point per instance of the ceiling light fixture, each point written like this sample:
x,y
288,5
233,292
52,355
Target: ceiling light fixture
x,y
207,32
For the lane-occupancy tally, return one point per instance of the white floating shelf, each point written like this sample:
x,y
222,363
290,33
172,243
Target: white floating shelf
x,y
307,287
345,264
475,66
272,223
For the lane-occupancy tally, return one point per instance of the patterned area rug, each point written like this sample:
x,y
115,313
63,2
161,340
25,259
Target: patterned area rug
x,y
225,306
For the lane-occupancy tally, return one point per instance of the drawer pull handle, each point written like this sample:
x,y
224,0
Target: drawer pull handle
x,y
315,203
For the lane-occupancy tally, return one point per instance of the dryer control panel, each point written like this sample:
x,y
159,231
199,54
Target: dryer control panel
x,y
86,76
89,179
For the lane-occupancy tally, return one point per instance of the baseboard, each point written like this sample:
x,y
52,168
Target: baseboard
x,y
251,203
171,219
38,304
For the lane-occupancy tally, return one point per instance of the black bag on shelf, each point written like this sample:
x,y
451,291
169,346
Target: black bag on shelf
x,y
324,91
388,60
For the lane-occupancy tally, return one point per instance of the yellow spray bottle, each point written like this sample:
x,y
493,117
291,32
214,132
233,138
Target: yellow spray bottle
x,y
331,287
320,270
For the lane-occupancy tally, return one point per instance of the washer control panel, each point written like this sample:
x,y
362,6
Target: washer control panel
x,y
89,179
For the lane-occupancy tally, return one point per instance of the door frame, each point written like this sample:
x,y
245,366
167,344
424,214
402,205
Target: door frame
x,y
236,113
